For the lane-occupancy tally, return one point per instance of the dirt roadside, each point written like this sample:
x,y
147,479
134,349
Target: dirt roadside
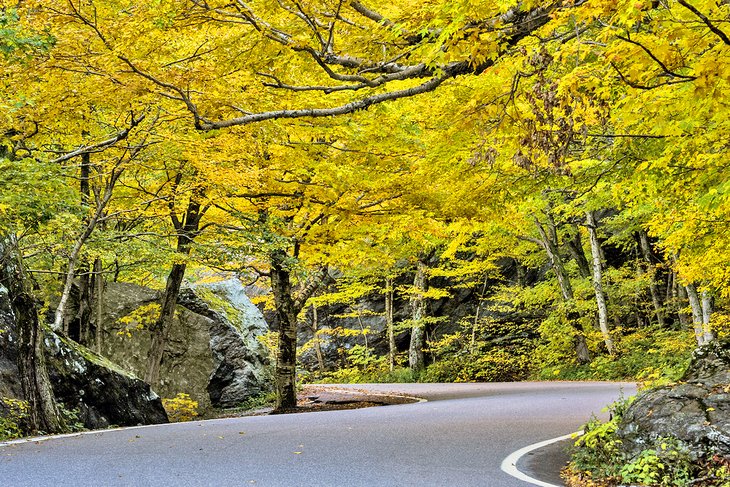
x,y
314,398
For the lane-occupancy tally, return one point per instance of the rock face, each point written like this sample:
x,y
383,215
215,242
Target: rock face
x,y
103,394
213,352
695,411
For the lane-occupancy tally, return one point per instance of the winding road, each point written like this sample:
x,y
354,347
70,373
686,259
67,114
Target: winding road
x,y
459,437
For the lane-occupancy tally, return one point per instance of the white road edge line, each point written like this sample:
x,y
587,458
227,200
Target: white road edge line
x,y
509,464
38,439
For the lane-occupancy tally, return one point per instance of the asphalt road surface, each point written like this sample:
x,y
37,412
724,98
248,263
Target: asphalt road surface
x,y
458,438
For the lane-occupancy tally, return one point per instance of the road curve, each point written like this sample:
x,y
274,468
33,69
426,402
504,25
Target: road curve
x,y
458,438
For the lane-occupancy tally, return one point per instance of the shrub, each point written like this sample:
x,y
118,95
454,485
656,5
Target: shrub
x,y
180,408
668,464
597,459
13,422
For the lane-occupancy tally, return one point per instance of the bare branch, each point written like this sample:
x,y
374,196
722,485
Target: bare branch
x,y
715,29
656,59
101,145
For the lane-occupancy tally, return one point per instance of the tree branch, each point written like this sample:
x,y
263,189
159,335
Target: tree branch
x,y
101,145
716,30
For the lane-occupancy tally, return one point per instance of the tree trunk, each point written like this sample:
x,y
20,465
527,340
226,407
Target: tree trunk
x,y
161,328
474,325
389,294
99,303
651,268
556,263
80,329
317,341
681,299
418,330
77,329
597,281
575,247
43,414
187,231
707,333
73,258
696,306
286,312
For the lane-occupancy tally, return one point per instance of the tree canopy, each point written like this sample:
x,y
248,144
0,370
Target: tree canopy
x,y
310,141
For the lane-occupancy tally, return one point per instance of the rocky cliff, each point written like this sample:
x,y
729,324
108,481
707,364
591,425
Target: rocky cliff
x,y
695,411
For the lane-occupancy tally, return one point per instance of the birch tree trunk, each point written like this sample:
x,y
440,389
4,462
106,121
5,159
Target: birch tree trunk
x,y
43,414
416,359
696,306
707,333
389,294
597,281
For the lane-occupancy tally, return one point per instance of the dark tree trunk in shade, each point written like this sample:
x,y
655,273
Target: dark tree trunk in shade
x,y
35,384
286,313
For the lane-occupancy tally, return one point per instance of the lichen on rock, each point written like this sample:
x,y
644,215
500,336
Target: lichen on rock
x,y
696,411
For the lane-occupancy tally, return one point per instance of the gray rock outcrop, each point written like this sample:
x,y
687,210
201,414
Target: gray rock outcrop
x,y
696,411
104,394
213,353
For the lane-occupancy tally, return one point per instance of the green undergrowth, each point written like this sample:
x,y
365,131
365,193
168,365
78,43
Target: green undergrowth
x,y
14,414
598,460
650,355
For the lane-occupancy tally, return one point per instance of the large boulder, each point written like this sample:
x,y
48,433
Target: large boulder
x,y
695,411
101,392
104,394
213,351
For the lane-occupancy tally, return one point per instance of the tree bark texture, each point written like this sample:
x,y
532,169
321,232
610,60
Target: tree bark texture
x,y
161,328
35,383
597,281
697,315
679,294
286,312
707,333
317,341
575,247
187,231
416,359
98,303
389,295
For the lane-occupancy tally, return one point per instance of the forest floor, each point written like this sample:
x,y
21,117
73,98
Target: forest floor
x,y
314,398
